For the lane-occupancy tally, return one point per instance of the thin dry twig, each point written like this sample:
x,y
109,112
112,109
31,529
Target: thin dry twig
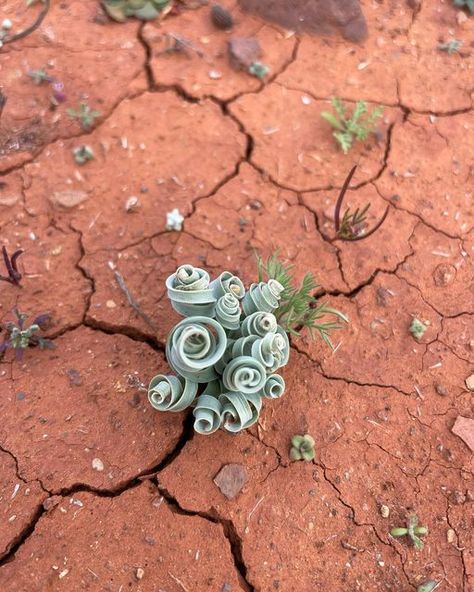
x,y
131,300
179,582
39,19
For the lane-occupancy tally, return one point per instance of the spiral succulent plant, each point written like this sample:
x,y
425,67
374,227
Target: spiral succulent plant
x,y
228,348
144,10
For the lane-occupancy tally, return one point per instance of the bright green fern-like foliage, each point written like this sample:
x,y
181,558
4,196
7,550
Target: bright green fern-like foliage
x,y
465,3
357,126
299,308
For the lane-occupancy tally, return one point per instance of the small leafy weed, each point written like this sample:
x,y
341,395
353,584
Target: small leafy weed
x,y
302,448
298,308
349,128
84,115
83,154
428,586
451,46
412,531
417,328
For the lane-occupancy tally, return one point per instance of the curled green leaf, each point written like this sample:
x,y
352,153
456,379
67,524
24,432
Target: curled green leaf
x,y
227,283
245,375
170,393
208,410
194,346
189,292
262,297
239,411
259,323
228,311
274,387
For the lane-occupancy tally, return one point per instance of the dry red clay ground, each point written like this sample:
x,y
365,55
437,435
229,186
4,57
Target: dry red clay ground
x,y
98,492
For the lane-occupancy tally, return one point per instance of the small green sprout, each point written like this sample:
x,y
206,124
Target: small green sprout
x,y
428,586
357,126
417,328
299,308
259,70
85,115
412,530
302,448
21,336
39,76
83,154
145,10
465,3
451,46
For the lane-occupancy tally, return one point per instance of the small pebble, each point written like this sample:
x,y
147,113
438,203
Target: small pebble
x,y
97,464
110,304
461,17
305,100
214,74
139,573
451,536
7,24
221,17
470,382
441,390
132,204
63,574
384,511
174,220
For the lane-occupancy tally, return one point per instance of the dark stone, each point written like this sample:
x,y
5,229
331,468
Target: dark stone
x,y
74,377
323,17
221,17
243,52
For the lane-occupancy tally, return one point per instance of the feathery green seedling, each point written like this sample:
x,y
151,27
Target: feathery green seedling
x,y
352,227
13,274
428,586
412,531
302,448
451,46
21,336
349,128
417,328
298,307
83,154
465,4
85,115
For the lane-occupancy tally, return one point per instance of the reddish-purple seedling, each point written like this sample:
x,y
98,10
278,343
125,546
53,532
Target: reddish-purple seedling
x,y
352,225
14,275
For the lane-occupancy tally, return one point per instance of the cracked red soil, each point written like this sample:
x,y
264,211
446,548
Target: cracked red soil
x,y
99,492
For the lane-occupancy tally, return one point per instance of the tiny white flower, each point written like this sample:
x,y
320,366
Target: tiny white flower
x,y
174,220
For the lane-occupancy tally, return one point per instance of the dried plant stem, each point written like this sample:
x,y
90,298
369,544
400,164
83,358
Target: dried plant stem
x,y
131,300
22,34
